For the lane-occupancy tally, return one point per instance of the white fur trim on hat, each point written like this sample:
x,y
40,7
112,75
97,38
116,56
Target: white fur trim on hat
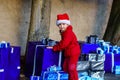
x,y
63,21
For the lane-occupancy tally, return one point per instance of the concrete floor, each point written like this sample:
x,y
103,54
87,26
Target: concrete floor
x,y
108,76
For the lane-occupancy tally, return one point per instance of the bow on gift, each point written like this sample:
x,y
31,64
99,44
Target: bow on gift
x,y
54,68
4,44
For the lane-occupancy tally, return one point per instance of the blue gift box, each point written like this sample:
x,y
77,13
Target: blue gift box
x,y
117,69
2,74
4,62
44,58
10,63
88,48
54,75
110,61
14,63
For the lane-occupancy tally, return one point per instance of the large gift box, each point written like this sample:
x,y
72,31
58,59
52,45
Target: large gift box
x,y
10,63
44,58
4,54
14,63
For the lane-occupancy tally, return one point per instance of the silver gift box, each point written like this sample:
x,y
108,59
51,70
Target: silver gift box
x,y
97,74
92,57
83,65
100,57
97,65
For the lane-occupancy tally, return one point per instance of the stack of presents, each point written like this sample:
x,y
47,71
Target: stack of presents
x,y
9,61
97,58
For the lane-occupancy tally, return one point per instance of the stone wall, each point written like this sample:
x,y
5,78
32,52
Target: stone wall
x,y
87,16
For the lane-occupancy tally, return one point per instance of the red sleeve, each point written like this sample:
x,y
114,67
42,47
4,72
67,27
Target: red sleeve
x,y
67,38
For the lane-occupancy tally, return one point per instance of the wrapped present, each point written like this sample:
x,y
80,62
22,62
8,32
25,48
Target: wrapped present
x,y
97,74
10,63
2,74
97,65
83,57
100,57
44,58
14,63
88,48
116,69
92,57
82,73
110,61
92,39
4,62
54,75
83,65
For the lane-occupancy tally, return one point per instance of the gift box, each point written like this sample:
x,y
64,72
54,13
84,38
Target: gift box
x,y
88,48
2,74
44,58
10,63
97,65
83,57
100,57
92,39
97,75
55,75
92,57
14,63
117,69
4,63
82,73
110,61
83,65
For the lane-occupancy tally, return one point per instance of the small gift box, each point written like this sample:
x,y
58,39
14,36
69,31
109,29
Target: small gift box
x,y
97,75
54,75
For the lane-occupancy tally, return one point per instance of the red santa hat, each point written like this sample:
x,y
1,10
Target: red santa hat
x,y
63,18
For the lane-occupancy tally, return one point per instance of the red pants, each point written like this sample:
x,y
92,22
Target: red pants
x,y
70,65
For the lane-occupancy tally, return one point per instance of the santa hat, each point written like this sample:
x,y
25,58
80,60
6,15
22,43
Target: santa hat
x,y
63,18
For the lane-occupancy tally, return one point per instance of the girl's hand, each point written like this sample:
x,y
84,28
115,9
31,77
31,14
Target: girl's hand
x,y
49,47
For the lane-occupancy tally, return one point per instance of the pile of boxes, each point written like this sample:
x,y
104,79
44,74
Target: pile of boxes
x,y
102,56
97,58
93,65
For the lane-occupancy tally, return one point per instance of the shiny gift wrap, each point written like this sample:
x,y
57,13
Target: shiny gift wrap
x,y
54,75
97,65
99,75
83,65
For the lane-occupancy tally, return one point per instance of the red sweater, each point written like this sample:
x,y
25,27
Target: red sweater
x,y
68,43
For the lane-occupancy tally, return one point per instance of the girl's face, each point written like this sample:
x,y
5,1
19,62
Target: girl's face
x,y
63,26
